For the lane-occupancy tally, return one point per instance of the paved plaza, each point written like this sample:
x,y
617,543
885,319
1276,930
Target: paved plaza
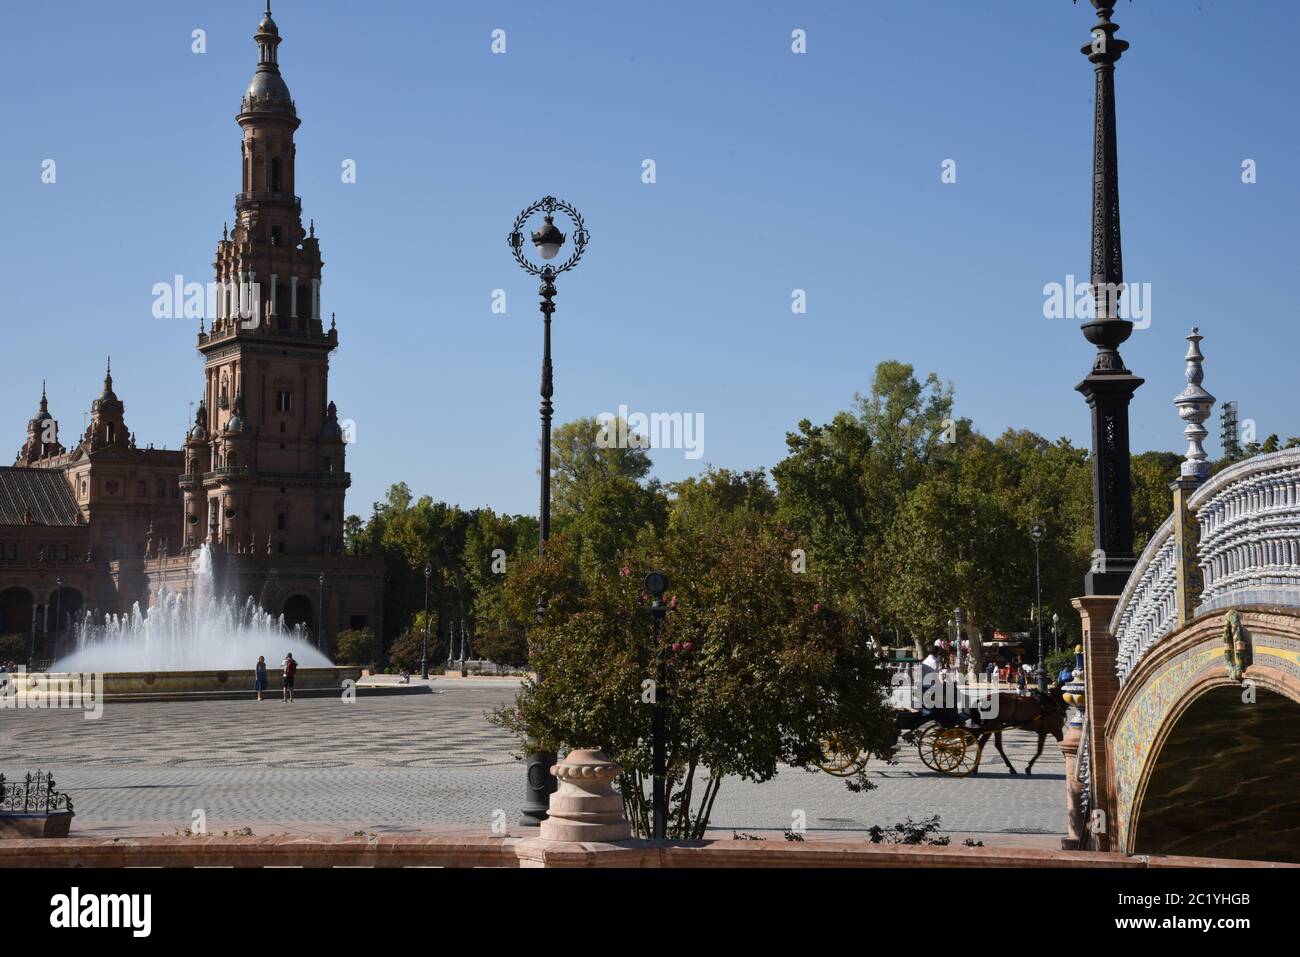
x,y
418,762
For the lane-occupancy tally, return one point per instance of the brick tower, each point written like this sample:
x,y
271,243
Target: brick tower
x,y
268,448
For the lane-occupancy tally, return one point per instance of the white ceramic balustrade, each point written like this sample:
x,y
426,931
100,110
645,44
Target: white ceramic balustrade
x,y
1249,517
1147,608
1250,533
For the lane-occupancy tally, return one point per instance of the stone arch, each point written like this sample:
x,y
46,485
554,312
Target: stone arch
x,y
298,610
1187,752
62,603
1225,778
16,605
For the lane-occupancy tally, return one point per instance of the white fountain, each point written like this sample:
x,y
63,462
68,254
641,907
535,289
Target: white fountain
x,y
201,631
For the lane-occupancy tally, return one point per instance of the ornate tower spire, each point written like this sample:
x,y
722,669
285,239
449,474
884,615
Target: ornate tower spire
x,y
108,416
1194,405
42,434
1109,387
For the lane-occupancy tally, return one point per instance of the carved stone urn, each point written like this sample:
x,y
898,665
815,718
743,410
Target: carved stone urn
x,y
586,807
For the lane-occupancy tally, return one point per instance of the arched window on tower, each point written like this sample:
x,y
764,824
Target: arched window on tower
x,y
277,181
110,433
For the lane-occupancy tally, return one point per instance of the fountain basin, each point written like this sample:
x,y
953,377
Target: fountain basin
x,y
42,689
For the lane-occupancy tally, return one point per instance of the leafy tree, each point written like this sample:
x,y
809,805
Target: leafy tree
x,y
600,492
761,672
355,647
1152,500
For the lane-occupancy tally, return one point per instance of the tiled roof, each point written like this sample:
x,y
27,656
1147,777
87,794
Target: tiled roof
x,y
44,493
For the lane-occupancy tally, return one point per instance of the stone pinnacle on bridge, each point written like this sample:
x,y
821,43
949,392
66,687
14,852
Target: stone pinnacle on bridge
x,y
1194,405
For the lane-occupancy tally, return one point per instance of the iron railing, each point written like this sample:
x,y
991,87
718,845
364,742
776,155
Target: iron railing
x,y
36,794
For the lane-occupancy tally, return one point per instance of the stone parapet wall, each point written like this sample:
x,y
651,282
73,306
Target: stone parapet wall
x,y
491,851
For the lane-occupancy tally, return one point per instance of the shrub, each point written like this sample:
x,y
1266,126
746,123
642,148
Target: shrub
x,y
404,653
356,646
13,648
760,672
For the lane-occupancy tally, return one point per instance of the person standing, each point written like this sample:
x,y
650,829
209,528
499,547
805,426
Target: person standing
x,y
259,676
289,668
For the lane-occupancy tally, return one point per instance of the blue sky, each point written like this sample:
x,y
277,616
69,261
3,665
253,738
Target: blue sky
x,y
775,172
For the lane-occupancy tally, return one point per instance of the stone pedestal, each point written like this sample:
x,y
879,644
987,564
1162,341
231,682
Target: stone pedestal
x,y
1073,839
586,807
1099,648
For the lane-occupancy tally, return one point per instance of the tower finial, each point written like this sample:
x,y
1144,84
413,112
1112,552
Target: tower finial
x,y
1194,405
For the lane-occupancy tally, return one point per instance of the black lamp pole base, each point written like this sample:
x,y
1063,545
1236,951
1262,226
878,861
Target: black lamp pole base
x,y
540,786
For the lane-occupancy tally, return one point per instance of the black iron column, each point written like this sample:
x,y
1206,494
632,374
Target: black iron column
x,y
541,783
548,240
656,584
1109,387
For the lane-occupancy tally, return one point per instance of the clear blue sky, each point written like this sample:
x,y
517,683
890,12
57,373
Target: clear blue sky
x,y
775,171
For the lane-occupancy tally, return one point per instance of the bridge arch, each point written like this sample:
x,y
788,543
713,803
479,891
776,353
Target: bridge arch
x,y
1204,763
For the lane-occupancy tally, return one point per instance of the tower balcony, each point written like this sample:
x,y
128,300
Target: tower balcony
x,y
267,196
276,476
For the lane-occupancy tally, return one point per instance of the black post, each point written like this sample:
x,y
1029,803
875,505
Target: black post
x,y
1041,674
1109,387
424,645
656,584
660,742
58,614
541,783
320,617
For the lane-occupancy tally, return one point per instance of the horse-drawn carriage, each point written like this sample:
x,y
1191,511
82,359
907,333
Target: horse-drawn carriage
x,y
951,739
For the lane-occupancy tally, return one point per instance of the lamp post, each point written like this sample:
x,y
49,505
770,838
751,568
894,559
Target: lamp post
x,y
1109,385
424,646
320,617
1036,533
58,614
1056,620
656,583
547,241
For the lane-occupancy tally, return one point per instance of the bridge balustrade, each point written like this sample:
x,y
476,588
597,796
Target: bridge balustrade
x,y
1248,521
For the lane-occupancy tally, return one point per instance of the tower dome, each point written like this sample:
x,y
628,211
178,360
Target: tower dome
x,y
267,92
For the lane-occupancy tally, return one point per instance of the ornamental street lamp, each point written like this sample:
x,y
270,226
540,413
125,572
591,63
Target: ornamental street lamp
x,y
1036,533
1109,385
1056,620
424,646
548,241
656,583
320,617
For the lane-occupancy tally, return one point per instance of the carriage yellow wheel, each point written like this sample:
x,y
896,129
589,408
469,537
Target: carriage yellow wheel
x,y
953,751
840,764
925,745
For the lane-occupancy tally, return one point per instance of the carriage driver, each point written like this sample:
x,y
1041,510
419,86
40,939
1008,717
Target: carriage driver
x,y
931,687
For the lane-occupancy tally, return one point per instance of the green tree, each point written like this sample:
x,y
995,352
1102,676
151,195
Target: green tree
x,y
601,494
355,647
761,672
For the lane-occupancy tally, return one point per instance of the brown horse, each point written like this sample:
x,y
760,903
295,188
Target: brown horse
x,y
1043,714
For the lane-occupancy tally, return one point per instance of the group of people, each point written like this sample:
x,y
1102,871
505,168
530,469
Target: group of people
x,y
1010,673
288,668
8,667
1013,673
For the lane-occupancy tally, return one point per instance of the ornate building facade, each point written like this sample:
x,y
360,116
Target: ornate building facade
x,y
261,476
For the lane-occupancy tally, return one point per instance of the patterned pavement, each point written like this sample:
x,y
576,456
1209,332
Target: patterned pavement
x,y
413,762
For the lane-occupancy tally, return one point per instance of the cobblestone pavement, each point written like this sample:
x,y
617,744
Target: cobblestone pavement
x,y
412,762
